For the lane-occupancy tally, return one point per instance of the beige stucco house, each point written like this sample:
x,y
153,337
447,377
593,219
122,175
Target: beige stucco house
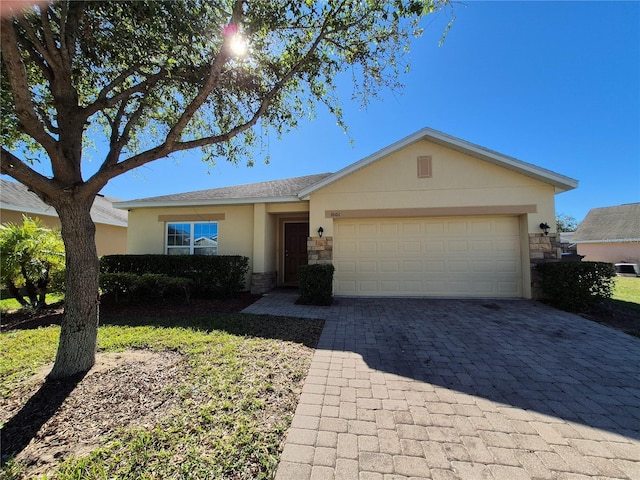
x,y
430,215
610,234
111,224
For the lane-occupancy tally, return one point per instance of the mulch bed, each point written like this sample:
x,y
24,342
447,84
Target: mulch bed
x,y
52,314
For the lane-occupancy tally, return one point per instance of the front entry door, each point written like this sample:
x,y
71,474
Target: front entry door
x,y
295,249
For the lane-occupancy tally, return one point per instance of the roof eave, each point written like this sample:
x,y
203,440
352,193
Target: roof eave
x,y
199,203
53,213
561,183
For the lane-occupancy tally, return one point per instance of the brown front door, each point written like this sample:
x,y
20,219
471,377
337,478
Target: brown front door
x,y
295,249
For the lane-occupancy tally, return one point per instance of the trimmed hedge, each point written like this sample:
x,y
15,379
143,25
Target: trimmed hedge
x,y
134,287
215,275
576,286
316,284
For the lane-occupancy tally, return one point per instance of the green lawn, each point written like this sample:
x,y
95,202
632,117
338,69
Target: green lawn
x,y
242,378
627,289
9,304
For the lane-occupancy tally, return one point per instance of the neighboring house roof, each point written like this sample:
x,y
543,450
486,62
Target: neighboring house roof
x,y
17,197
566,237
295,189
273,191
610,224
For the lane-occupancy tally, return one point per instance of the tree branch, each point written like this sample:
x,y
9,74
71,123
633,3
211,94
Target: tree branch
x,y
212,80
20,171
45,119
36,43
110,171
17,75
106,102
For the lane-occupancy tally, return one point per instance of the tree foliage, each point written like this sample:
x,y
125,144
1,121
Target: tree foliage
x,y
149,78
566,223
30,255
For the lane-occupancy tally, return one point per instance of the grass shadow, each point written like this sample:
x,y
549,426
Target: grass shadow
x,y
303,331
25,424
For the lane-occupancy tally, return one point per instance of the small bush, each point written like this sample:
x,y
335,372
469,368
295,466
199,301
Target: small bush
x,y
149,286
577,286
219,276
316,284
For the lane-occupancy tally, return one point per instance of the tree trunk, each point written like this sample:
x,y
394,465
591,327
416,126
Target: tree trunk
x,y
15,292
79,332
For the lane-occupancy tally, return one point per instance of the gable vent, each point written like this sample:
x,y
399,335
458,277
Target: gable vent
x,y
424,167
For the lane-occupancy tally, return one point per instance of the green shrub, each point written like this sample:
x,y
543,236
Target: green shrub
x,y
576,286
149,286
316,284
217,276
31,255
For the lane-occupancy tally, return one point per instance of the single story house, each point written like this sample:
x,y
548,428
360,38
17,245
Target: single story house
x,y
111,224
610,234
430,215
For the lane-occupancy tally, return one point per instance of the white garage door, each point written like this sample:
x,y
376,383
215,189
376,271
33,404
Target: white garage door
x,y
434,256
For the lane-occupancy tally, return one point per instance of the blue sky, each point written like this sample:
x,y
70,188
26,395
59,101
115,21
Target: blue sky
x,y
556,84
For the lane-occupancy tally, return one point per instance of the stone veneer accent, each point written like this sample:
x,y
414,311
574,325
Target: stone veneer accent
x,y
262,282
542,249
320,250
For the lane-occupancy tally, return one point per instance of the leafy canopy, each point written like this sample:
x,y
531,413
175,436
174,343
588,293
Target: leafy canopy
x,y
155,77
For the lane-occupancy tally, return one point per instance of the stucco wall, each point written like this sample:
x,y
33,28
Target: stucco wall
x,y
10,216
235,231
147,232
458,180
110,239
627,252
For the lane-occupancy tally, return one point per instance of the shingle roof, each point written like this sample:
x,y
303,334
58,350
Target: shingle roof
x,y
299,188
17,197
286,189
610,224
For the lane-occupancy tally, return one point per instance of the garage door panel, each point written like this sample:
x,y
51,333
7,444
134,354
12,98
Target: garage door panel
x,y
367,229
364,248
457,228
345,266
410,266
367,267
450,256
411,228
389,247
481,226
434,246
390,266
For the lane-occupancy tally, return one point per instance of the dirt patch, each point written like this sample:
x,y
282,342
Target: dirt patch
x,y
617,315
50,421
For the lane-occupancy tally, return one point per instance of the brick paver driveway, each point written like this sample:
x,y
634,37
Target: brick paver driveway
x,y
462,389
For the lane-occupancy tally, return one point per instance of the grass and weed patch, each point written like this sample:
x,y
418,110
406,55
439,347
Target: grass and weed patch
x,y
627,289
8,304
235,388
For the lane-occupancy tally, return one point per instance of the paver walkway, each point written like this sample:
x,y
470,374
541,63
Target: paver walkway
x,y
462,389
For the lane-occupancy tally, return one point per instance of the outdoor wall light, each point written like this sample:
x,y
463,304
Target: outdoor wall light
x,y
320,232
545,227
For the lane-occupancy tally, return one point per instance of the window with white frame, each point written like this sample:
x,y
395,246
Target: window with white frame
x,y
192,238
